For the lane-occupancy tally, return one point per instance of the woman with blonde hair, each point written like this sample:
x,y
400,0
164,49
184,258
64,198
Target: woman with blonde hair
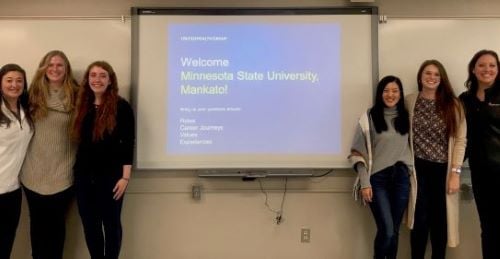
x,y
46,174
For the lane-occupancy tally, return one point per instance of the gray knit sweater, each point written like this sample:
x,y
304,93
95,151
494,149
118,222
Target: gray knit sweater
x,y
48,166
388,147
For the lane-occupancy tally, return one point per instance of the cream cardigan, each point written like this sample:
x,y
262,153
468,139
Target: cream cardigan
x,y
456,152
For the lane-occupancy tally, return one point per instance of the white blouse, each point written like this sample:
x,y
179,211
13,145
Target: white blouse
x,y
14,141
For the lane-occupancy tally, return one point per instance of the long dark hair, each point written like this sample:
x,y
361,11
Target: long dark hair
x,y
447,104
471,82
22,100
401,122
105,119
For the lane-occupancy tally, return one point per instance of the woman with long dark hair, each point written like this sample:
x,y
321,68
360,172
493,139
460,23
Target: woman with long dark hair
x,y
381,156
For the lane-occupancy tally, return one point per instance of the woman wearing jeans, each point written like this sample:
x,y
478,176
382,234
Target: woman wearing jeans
x,y
382,157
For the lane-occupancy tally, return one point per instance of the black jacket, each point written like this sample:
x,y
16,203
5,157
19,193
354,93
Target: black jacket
x,y
483,128
106,157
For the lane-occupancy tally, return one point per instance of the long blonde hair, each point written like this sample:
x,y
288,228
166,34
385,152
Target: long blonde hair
x,y
39,87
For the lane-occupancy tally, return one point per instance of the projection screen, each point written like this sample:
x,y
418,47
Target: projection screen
x,y
250,88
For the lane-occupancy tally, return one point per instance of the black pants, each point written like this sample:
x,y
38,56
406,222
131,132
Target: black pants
x,y
485,184
48,222
10,210
100,215
430,210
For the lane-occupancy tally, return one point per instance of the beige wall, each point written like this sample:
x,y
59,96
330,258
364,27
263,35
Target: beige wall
x,y
161,220
427,8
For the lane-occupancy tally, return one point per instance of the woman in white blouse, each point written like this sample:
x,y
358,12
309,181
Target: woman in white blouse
x,y
16,129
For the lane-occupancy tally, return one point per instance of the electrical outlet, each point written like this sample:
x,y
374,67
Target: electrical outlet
x,y
305,235
196,192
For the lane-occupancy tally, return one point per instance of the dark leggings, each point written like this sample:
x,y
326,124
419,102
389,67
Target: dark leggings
x,y
48,222
430,210
10,210
100,215
485,182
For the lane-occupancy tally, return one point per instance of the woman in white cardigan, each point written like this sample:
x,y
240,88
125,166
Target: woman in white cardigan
x,y
438,139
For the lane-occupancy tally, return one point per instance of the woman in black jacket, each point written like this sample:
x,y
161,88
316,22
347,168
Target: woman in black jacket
x,y
482,106
104,128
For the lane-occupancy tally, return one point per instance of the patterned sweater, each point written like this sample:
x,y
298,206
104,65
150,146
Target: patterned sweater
x,y
456,152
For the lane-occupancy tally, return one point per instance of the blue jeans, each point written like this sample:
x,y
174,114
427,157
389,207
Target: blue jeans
x,y
391,191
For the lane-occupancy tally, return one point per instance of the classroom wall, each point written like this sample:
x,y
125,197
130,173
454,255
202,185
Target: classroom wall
x,y
231,220
421,8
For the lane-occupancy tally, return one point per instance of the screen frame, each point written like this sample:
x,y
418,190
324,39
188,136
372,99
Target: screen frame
x,y
221,11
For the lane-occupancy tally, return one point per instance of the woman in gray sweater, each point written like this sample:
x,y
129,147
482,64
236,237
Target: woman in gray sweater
x,y
382,157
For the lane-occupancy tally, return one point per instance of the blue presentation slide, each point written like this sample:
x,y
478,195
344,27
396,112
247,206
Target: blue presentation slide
x,y
253,88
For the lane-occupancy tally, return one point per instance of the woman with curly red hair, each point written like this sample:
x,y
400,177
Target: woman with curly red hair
x,y
104,129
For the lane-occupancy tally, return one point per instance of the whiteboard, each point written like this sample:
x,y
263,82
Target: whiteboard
x,y
261,122
405,43
26,41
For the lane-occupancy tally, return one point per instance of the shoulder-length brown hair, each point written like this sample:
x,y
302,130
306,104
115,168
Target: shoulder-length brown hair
x,y
22,100
105,118
447,104
39,88
472,83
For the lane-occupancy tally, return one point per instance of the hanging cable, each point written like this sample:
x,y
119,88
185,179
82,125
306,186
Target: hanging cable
x,y
279,213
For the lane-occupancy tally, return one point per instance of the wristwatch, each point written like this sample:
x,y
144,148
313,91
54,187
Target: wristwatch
x,y
457,170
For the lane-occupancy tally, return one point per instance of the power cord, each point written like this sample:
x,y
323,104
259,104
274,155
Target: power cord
x,y
279,213
323,174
